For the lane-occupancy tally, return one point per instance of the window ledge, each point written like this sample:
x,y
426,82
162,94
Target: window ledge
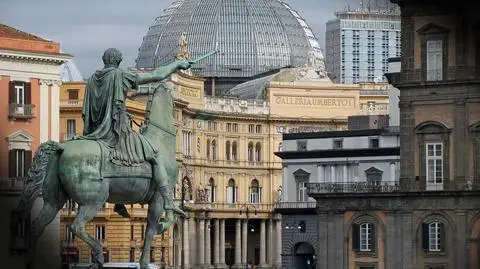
x,y
360,253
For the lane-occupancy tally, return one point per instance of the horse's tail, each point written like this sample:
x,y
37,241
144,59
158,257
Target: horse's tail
x,y
37,173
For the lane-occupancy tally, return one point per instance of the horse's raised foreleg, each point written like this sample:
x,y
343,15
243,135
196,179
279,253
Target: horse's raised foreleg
x,y
84,215
155,208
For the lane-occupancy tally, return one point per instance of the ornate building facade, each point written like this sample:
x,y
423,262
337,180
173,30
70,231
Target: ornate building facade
x,y
230,176
29,94
430,219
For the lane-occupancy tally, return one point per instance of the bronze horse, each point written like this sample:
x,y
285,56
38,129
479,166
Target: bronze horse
x,y
77,170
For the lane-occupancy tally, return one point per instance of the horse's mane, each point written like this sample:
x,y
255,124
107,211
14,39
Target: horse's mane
x,y
151,97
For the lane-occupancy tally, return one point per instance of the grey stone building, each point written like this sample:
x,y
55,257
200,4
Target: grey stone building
x,y
429,219
368,157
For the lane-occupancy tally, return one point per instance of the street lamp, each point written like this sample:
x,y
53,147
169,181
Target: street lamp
x,y
247,214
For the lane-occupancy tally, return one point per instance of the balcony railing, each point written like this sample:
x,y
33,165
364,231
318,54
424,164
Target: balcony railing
x,y
71,103
12,184
295,205
21,111
387,187
458,73
68,136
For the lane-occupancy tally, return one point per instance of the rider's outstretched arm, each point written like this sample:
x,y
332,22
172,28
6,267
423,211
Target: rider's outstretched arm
x,y
159,74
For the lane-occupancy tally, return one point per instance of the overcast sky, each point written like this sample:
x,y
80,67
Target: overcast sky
x,y
85,28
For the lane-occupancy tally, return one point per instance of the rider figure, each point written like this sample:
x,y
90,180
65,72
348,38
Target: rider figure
x,y
106,120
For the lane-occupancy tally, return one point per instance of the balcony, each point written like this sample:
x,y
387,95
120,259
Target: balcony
x,y
436,76
295,205
71,103
386,187
67,136
12,184
21,111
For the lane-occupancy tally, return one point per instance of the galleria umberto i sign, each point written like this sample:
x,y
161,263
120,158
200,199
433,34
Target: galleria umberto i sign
x,y
317,101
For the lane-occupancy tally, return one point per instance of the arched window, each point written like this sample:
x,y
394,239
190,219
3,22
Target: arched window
x,y
234,151
208,149
250,152
255,192
231,192
227,151
258,151
213,190
214,149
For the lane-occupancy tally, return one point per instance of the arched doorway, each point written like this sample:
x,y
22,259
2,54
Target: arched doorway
x,y
304,256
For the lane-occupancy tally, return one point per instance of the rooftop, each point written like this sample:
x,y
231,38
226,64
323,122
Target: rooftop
x,y
10,32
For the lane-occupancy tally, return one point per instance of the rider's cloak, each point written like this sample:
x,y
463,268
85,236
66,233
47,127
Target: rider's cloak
x,y
106,119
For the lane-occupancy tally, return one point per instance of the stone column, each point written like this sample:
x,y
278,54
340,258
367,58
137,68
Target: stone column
x,y
208,252
321,178
186,248
55,111
44,108
216,244
345,174
201,242
332,176
244,241
271,242
238,253
222,243
262,244
278,243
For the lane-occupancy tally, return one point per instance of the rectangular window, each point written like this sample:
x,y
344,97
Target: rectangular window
x,y
258,129
301,145
20,163
434,236
142,231
337,143
235,127
374,143
212,126
229,127
434,60
434,166
72,94
251,128
100,232
302,192
19,97
366,237
152,255
71,128
131,232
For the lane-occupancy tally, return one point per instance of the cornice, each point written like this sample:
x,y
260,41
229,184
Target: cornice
x,y
34,57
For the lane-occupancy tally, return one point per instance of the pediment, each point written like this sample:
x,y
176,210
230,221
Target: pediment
x,y
301,173
433,28
373,170
20,136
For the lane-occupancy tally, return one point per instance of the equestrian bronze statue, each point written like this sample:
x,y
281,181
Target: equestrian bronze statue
x,y
110,162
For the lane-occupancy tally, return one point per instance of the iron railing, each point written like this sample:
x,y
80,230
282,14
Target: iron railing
x,y
457,73
12,184
295,205
21,111
71,103
388,187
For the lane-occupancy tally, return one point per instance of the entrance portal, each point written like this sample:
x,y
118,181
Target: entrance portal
x,y
304,256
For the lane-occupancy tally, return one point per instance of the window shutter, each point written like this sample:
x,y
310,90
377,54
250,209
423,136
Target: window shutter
x,y
11,92
356,237
28,93
425,237
260,195
235,197
27,162
442,236
11,163
374,236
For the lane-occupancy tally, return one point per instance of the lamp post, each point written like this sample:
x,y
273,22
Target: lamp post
x,y
247,214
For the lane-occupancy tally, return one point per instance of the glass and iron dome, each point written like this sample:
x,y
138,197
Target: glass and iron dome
x,y
253,37
70,72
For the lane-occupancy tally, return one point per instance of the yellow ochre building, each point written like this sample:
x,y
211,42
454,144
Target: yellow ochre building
x,y
230,178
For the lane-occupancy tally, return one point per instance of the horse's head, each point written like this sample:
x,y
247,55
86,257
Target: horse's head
x,y
160,108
